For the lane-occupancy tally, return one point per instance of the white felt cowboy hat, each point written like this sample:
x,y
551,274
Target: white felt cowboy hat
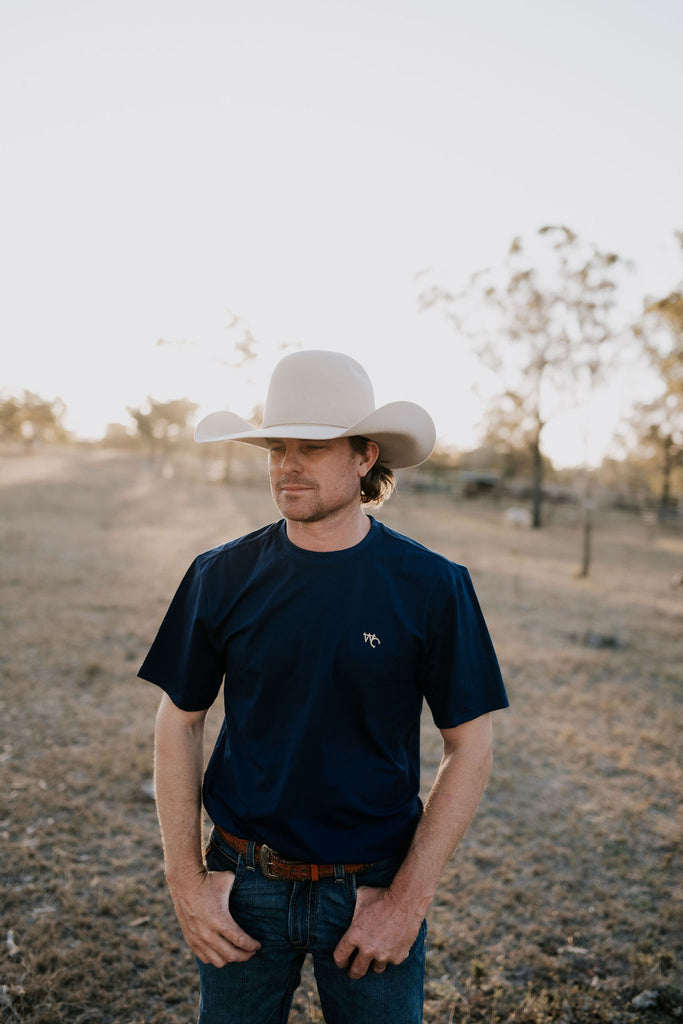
x,y
318,395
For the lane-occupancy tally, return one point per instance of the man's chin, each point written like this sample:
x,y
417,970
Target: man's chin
x,y
296,511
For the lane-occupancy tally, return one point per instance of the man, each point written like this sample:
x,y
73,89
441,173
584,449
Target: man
x,y
328,630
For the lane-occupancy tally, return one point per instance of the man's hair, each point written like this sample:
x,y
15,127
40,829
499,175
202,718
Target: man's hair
x,y
379,482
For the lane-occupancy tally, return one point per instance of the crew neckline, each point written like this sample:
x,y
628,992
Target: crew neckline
x,y
336,554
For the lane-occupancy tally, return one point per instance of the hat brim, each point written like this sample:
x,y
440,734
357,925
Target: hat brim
x,y
404,431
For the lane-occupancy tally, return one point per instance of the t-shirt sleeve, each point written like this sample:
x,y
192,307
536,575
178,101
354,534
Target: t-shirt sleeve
x,y
461,678
182,659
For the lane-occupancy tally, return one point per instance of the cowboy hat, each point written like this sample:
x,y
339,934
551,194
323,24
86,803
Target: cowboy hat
x,y
319,395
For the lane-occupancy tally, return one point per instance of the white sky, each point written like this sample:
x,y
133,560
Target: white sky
x,y
166,162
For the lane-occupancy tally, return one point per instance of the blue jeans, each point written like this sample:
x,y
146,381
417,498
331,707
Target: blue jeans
x,y
291,919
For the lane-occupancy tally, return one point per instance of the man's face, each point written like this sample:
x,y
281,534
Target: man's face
x,y
314,480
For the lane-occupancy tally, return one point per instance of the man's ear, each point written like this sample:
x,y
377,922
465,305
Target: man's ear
x,y
370,457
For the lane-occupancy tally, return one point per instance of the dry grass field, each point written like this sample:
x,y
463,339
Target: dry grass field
x,y
563,902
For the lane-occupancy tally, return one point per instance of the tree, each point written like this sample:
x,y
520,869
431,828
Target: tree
x,y
163,425
543,323
659,422
30,418
10,418
118,435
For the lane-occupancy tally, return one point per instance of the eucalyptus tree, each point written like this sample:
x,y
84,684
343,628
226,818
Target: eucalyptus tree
x,y
163,426
659,422
29,417
545,323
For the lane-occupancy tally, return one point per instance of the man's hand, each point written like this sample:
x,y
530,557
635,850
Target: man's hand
x,y
382,932
202,908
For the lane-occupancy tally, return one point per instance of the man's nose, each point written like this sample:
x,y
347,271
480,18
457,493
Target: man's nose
x,y
290,459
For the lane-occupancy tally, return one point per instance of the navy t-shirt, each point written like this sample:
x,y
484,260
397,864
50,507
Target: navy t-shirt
x,y
326,658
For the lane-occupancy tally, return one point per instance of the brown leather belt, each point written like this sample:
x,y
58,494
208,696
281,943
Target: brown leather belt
x,y
274,865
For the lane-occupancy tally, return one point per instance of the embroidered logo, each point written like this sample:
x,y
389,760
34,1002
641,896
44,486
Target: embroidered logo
x,y
371,639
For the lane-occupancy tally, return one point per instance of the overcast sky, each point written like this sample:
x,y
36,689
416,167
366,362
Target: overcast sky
x,y
167,163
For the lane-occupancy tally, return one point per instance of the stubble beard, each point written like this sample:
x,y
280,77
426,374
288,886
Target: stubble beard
x,y
308,508
296,511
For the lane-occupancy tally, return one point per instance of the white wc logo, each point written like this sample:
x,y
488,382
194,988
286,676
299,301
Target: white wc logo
x,y
371,639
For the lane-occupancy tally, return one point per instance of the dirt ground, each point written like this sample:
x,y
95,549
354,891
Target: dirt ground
x,y
563,901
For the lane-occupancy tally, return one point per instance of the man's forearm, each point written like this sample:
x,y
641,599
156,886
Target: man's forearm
x,y
450,807
179,766
386,922
201,898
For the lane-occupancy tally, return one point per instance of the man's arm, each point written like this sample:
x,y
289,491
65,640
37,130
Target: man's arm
x,y
386,921
200,897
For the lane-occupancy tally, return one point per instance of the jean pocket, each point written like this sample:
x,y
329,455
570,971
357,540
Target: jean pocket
x,y
351,883
379,875
220,857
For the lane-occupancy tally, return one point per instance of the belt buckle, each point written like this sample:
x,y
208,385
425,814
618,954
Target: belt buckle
x,y
264,862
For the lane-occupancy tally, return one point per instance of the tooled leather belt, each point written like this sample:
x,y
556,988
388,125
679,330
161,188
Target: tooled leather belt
x,y
274,865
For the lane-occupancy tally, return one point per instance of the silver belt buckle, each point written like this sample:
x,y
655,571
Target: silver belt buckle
x,y
264,862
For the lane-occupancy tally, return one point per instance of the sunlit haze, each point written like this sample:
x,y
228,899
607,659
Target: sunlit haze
x,y
169,165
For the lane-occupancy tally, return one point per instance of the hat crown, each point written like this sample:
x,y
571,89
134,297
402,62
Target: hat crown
x,y
318,387
320,395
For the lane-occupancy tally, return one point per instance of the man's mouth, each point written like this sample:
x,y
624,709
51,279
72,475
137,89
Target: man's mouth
x,y
295,486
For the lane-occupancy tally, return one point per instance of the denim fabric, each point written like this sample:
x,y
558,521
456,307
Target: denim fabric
x,y
291,919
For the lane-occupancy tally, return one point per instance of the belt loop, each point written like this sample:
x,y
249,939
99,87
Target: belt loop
x,y
251,855
339,873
